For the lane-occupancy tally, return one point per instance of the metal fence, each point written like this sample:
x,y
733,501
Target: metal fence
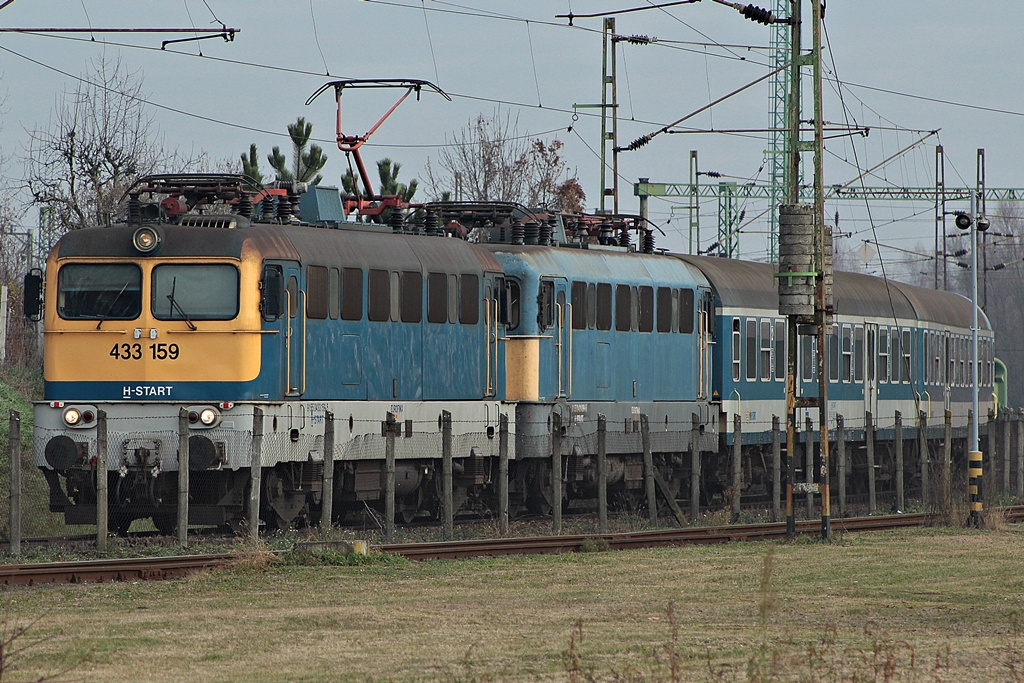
x,y
872,469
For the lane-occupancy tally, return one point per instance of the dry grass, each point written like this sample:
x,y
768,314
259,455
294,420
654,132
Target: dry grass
x,y
922,605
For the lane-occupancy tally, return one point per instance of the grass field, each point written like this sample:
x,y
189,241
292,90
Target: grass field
x,y
921,605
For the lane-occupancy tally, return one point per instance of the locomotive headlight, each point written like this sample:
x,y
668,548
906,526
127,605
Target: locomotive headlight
x,y
146,240
80,416
203,417
72,416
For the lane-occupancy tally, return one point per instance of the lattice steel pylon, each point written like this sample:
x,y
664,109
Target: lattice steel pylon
x,y
781,44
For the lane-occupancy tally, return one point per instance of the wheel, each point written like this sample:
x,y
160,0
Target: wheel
x,y
165,522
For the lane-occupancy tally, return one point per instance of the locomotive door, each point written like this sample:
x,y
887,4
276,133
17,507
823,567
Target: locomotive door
x,y
556,338
494,289
870,364
295,334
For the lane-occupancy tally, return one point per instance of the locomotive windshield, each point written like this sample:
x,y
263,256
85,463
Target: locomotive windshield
x,y
195,292
99,291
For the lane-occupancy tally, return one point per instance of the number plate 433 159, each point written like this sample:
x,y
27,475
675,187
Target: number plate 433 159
x,y
154,351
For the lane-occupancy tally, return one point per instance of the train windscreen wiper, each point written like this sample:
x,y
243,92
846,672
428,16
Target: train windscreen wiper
x,y
113,303
175,306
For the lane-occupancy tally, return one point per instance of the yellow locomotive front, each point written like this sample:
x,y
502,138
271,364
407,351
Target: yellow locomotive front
x,y
141,320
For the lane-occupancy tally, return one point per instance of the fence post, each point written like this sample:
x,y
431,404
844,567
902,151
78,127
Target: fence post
x,y
255,475
737,465
652,500
447,488
503,473
841,461
14,449
602,474
183,458
327,497
1004,414
776,468
694,468
809,465
900,500
947,462
390,425
1020,452
556,473
924,455
102,521
869,444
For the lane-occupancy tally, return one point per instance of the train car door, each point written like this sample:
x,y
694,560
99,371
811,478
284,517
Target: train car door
x,y
705,338
295,334
494,316
870,368
556,338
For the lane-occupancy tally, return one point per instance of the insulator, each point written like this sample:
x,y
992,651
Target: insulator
x,y
758,14
267,208
134,209
648,241
531,232
712,174
640,40
518,231
547,231
605,233
397,221
639,142
624,240
244,206
432,224
284,208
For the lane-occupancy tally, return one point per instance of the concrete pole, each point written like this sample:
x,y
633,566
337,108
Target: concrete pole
x,y
776,468
694,468
102,521
842,462
602,474
924,456
255,475
869,444
737,465
14,449
390,425
447,489
652,500
503,474
556,473
327,497
900,502
183,458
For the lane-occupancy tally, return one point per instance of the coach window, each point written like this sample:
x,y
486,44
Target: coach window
x,y
780,350
378,307
412,296
737,349
751,340
469,299
686,312
847,353
334,293
316,292
514,295
352,294
646,318
604,306
807,347
883,354
99,291
622,304
579,305
908,349
766,349
665,302
437,297
833,354
858,353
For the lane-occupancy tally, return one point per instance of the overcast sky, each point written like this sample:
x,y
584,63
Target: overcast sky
x,y
909,68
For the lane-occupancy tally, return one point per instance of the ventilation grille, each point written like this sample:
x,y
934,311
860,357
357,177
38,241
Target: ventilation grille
x,y
209,221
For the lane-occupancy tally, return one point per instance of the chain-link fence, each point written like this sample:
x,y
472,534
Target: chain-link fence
x,y
377,461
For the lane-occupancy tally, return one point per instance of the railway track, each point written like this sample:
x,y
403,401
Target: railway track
x,y
157,568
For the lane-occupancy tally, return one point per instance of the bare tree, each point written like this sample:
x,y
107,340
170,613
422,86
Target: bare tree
x,y
99,140
489,160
